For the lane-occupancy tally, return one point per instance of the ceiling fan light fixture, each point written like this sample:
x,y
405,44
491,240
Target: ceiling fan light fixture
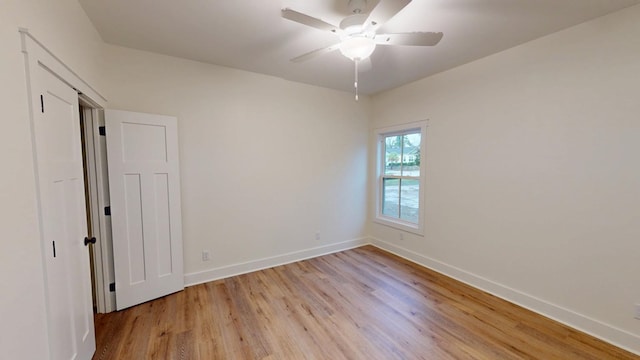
x,y
358,32
357,47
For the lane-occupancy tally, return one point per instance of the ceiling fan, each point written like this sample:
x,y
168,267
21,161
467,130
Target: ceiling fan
x,y
358,32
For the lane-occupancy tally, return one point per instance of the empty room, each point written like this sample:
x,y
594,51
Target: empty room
x,y
320,179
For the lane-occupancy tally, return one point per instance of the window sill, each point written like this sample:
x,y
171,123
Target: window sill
x,y
415,229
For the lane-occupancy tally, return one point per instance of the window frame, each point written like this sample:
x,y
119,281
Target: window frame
x,y
380,135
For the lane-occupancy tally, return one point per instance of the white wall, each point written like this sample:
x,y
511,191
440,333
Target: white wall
x,y
533,185
64,28
265,162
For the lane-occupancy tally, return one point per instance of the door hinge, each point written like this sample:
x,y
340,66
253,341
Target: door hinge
x,y
107,210
102,131
112,287
54,248
42,103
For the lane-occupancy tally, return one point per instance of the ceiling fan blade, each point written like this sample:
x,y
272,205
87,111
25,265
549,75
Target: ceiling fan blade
x,y
308,20
314,53
385,10
409,39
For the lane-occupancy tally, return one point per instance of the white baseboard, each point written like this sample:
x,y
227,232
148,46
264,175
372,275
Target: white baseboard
x,y
264,263
598,329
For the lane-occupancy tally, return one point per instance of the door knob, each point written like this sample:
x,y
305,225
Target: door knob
x,y
89,240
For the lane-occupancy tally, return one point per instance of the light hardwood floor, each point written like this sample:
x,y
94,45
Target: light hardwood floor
x,y
357,304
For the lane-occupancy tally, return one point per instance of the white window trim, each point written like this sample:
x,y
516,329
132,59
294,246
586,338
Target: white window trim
x,y
380,133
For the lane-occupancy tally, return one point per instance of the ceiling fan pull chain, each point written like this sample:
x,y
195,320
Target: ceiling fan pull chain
x,y
355,84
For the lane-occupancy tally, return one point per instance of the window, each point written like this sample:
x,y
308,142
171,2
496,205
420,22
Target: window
x,y
400,177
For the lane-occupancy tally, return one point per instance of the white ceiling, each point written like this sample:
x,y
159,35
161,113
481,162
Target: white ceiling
x,y
251,35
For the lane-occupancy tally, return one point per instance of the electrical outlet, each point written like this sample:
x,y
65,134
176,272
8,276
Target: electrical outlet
x,y
205,255
317,235
637,316
401,236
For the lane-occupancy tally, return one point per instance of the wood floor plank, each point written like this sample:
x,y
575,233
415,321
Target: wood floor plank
x,y
184,348
362,303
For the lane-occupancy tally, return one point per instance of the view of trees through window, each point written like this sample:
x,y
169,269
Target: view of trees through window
x,y
401,177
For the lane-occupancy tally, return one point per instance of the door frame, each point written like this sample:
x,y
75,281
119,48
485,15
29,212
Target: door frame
x,y
37,55
98,196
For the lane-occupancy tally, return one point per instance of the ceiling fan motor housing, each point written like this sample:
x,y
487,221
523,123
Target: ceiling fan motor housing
x,y
353,24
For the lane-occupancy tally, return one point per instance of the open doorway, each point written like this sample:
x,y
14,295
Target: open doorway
x,y
97,203
90,231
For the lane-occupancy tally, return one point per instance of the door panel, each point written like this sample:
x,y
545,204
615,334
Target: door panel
x,y
63,220
142,155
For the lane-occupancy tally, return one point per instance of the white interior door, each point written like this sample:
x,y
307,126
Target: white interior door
x,y
144,184
63,219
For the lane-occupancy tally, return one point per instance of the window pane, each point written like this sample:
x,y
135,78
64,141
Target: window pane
x,y
392,154
410,200
390,197
411,154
